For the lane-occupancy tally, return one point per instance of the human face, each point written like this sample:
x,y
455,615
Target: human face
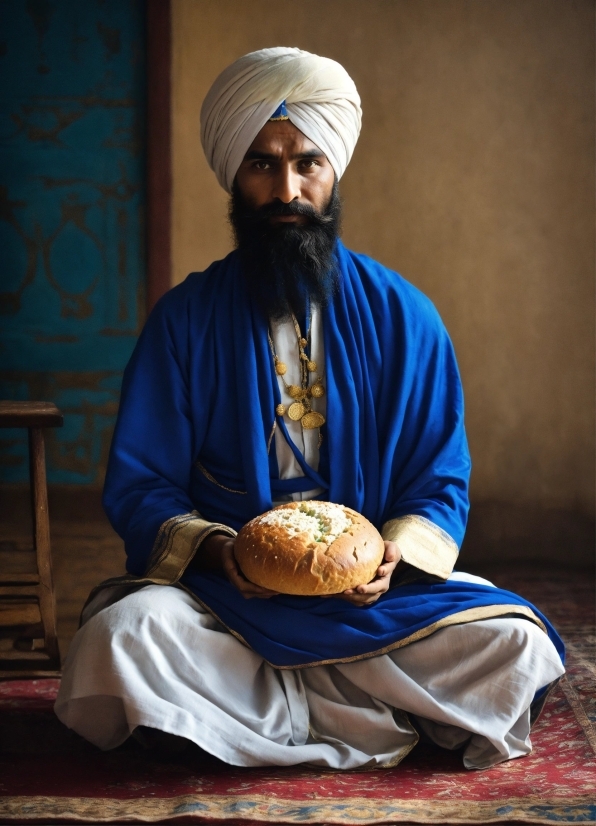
x,y
282,165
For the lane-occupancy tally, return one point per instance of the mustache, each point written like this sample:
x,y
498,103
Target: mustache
x,y
278,209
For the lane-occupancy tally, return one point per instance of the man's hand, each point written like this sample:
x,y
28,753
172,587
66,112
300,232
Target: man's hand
x,y
220,548
367,594
218,554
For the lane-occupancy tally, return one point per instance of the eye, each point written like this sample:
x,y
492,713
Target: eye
x,y
261,165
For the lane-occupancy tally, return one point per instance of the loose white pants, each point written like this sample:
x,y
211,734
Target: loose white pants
x,y
156,658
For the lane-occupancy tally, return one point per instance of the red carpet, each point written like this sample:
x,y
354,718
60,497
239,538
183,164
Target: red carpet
x,y
48,774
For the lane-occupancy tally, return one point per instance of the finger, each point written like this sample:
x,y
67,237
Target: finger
x,y
237,578
378,585
359,599
251,588
386,570
232,571
392,552
380,582
227,555
248,587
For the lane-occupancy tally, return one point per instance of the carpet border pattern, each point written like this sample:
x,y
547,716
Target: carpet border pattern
x,y
261,808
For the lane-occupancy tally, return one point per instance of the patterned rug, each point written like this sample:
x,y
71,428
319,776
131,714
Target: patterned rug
x,y
50,775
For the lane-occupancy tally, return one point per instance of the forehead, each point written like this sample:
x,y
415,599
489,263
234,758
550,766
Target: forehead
x,y
282,138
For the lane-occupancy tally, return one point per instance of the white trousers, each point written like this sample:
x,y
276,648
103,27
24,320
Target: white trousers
x,y
156,658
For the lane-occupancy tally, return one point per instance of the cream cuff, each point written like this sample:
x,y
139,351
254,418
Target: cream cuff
x,y
422,544
176,543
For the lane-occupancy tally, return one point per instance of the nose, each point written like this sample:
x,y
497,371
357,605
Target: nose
x,y
286,185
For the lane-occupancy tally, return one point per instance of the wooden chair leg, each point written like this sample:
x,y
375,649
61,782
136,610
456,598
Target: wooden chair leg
x,y
41,532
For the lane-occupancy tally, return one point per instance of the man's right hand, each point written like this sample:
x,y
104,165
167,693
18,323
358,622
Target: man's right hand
x,y
219,547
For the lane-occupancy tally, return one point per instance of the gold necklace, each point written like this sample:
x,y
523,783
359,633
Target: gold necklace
x,y
301,408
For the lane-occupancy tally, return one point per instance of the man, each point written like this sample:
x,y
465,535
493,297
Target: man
x,y
295,369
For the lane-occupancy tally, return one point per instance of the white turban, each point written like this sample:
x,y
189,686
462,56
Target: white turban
x,y
321,100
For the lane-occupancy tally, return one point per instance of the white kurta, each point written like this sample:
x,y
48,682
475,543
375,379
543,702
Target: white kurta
x,y
307,441
157,659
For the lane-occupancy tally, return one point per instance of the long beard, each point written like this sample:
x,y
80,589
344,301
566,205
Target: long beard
x,y
285,265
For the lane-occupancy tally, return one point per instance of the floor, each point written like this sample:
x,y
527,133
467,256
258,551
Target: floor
x,y
83,554
86,551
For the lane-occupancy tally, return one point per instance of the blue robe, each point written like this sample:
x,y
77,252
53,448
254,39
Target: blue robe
x,y
197,409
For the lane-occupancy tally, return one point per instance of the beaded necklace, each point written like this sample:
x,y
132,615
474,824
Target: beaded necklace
x,y
300,410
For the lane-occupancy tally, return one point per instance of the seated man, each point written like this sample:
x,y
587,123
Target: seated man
x,y
209,435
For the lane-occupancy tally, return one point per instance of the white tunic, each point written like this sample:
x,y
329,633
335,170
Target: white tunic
x,y
307,441
157,659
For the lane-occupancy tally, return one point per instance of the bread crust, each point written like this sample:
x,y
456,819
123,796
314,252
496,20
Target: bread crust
x,y
294,562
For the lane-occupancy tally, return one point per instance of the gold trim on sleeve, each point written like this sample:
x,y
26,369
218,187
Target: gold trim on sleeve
x,y
212,478
422,544
176,543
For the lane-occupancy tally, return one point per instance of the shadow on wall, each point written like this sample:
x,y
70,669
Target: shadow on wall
x,y
503,533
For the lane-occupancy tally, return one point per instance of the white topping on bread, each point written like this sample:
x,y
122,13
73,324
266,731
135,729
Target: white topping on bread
x,y
324,521
309,548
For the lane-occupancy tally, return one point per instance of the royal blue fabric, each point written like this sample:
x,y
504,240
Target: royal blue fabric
x,y
318,630
201,388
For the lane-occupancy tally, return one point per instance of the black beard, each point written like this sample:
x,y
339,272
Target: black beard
x,y
285,264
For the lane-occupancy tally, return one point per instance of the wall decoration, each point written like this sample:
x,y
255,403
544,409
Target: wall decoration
x,y
72,84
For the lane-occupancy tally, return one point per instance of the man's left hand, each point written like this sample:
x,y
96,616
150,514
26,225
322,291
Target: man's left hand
x,y
367,594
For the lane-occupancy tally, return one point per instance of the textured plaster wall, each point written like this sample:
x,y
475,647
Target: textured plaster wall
x,y
473,177
71,222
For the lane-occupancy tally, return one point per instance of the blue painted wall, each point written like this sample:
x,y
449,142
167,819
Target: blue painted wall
x,y
71,220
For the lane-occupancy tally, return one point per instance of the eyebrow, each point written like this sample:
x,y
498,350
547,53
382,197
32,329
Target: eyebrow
x,y
255,155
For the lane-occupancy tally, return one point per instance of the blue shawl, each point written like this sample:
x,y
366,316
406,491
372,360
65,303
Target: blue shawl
x,y
197,409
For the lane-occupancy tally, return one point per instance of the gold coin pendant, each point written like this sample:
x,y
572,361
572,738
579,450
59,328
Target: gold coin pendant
x,y
294,391
312,420
280,368
317,390
280,409
296,411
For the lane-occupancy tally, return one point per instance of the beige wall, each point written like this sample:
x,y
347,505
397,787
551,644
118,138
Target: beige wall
x,y
473,177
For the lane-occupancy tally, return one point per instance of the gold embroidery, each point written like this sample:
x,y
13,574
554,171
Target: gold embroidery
x,y
422,544
469,615
206,473
272,434
176,544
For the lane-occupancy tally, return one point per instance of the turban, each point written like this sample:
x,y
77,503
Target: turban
x,y
320,96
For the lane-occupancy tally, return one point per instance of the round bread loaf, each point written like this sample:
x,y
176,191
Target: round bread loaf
x,y
309,548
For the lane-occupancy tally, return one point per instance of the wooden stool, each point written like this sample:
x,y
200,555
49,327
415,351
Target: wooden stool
x,y
27,599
